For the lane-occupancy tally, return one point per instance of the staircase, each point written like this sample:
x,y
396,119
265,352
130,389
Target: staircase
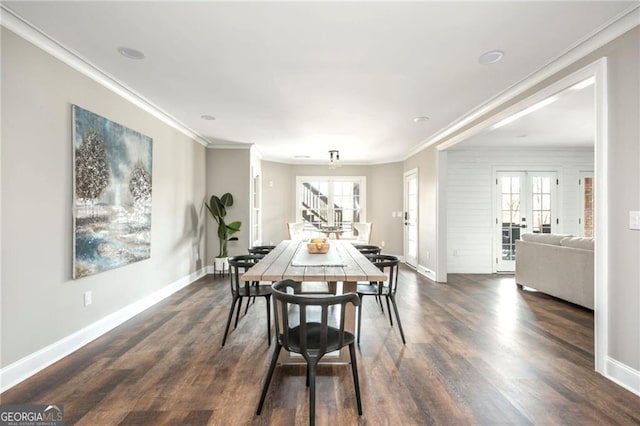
x,y
317,211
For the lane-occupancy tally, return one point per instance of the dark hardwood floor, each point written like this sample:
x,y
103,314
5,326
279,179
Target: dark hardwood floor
x,y
479,351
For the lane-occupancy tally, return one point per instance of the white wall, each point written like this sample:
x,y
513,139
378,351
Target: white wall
x,y
229,170
41,303
471,207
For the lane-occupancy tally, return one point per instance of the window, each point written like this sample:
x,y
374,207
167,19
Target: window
x,y
335,201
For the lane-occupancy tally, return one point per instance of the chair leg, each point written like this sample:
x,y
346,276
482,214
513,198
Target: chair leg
x,y
360,317
389,309
226,330
311,366
354,370
238,313
268,301
267,380
395,308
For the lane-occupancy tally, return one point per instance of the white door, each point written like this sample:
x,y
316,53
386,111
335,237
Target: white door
x,y
525,202
411,217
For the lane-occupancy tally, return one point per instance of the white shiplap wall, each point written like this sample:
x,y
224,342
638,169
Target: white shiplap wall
x,y
470,204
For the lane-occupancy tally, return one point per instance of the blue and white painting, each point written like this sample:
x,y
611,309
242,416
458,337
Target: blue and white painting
x,y
112,194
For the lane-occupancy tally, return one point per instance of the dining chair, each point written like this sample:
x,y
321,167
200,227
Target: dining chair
x,y
387,289
304,326
238,265
261,250
296,231
361,233
367,249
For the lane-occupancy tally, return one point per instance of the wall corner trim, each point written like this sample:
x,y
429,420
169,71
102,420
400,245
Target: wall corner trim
x,y
31,364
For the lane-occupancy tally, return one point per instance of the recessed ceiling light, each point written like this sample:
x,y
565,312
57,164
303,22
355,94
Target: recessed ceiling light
x,y
420,119
491,57
207,117
130,53
301,156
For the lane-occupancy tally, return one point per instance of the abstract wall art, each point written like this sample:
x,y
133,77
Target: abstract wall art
x,y
112,194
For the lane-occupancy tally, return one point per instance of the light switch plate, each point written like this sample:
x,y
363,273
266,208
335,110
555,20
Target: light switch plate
x,y
634,220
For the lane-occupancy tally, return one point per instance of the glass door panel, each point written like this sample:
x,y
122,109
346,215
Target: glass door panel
x,y
511,216
525,203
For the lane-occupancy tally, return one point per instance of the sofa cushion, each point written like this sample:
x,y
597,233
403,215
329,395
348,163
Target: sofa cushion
x,y
578,242
553,239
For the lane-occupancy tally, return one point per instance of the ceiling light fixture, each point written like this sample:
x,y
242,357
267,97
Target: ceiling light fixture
x,y
420,119
334,159
207,117
543,103
130,53
491,57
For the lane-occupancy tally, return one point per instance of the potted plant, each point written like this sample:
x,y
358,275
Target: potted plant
x,y
218,209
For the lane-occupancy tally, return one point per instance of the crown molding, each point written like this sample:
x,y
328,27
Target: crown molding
x,y
230,146
16,24
608,32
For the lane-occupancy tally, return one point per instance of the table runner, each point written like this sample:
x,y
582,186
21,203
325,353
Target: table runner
x,y
302,257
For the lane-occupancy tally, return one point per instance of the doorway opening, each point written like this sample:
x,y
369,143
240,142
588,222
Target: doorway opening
x,y
594,75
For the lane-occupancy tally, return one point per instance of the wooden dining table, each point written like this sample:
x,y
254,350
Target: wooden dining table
x,y
341,269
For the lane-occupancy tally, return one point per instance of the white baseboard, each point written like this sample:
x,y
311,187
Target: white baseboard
x,y
426,272
31,364
623,375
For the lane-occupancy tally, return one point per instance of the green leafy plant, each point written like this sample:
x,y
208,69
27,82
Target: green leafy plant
x,y
218,209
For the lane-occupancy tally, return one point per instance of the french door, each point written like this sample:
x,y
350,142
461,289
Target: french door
x,y
411,217
525,202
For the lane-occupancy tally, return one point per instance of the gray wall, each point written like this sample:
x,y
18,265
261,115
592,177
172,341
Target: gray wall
x,y
41,304
228,170
384,195
624,189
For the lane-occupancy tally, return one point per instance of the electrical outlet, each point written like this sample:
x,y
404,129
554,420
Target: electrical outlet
x,y
382,243
393,214
87,298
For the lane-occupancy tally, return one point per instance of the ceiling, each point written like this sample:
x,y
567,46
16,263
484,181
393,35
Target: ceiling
x,y
301,78
567,122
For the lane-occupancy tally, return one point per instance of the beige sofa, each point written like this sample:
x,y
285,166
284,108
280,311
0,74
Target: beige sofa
x,y
559,265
